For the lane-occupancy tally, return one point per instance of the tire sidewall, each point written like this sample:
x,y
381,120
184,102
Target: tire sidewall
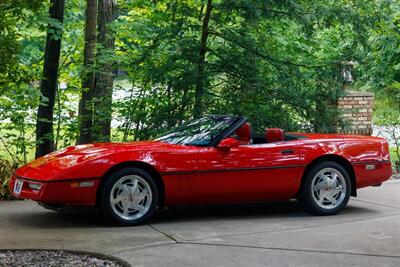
x,y
306,195
105,191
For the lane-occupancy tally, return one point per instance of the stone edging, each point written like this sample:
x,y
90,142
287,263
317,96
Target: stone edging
x,y
76,252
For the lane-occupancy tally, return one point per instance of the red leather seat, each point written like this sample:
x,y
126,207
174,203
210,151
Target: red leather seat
x,y
244,134
274,135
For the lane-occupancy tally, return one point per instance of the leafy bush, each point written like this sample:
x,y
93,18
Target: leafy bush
x,y
388,123
6,170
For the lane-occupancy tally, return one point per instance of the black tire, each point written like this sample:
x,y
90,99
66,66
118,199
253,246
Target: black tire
x,y
105,192
306,197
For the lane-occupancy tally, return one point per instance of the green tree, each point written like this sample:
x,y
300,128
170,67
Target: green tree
x,y
88,75
199,93
280,63
104,77
44,125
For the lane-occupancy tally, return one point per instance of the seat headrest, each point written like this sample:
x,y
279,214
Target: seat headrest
x,y
274,135
244,134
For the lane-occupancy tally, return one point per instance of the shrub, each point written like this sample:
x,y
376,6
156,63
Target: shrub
x,y
388,123
6,170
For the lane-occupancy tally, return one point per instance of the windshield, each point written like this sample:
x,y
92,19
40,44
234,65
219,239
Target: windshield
x,y
198,132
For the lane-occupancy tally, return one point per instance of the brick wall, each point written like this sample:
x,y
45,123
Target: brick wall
x,y
357,110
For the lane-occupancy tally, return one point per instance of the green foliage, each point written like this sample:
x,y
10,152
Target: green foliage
x,y
388,121
6,169
379,66
20,66
13,14
279,63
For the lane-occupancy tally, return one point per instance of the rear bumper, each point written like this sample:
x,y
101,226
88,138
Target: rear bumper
x,y
372,173
64,192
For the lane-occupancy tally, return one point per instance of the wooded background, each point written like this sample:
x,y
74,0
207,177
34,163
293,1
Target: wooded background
x,y
78,71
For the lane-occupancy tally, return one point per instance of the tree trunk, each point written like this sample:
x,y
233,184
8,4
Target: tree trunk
x,y
48,88
199,93
104,77
88,76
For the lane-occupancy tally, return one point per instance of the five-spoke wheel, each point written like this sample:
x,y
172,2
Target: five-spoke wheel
x,y
129,197
326,188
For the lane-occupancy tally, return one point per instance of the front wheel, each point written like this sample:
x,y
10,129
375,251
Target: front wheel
x,y
326,189
129,197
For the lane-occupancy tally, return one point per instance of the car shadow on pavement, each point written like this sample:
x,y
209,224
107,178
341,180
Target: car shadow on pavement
x,y
271,210
52,219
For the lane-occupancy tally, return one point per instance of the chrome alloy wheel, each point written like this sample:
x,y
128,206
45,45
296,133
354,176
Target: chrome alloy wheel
x,y
131,197
328,188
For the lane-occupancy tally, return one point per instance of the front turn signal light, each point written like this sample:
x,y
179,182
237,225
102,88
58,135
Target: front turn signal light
x,y
34,186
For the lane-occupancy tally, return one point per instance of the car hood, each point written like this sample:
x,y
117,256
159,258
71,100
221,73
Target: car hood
x,y
53,166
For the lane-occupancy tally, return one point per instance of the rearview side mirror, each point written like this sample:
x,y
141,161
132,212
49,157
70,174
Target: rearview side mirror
x,y
228,143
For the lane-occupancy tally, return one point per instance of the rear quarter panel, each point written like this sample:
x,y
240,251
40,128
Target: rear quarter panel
x,y
359,151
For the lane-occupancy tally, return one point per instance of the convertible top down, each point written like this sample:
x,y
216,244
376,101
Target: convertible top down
x,y
212,160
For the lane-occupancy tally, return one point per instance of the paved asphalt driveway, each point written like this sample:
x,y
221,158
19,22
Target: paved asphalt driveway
x,y
367,233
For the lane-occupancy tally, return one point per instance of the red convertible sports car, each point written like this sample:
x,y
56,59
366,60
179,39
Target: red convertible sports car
x,y
211,160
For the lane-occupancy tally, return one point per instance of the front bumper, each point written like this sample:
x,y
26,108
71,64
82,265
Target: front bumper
x,y
63,192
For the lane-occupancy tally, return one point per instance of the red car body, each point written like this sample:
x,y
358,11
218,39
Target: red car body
x,y
203,175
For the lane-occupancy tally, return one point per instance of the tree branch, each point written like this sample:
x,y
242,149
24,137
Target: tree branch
x,y
265,57
8,151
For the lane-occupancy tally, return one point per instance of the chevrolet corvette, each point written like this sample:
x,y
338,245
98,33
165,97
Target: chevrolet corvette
x,y
212,160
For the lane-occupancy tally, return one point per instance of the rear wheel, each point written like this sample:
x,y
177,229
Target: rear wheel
x,y
326,189
129,197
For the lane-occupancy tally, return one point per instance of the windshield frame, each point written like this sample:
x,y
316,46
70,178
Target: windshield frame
x,y
237,121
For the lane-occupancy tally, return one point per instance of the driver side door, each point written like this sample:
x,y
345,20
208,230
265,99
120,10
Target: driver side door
x,y
248,173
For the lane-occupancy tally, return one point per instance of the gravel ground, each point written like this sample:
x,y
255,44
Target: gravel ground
x,y
49,258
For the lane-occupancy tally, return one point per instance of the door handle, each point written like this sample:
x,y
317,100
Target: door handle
x,y
287,151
